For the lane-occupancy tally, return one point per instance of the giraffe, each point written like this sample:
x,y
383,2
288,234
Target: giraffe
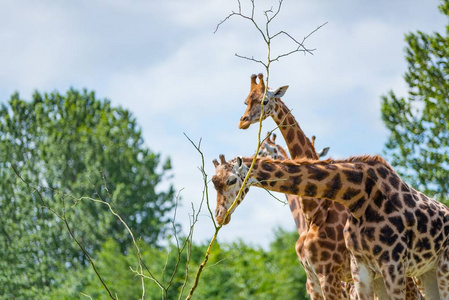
x,y
393,230
299,146
324,273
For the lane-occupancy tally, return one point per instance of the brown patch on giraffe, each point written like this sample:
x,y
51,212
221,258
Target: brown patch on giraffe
x,y
309,205
354,207
269,167
296,151
333,187
316,173
290,119
281,114
332,217
309,153
279,174
351,193
330,232
290,136
353,176
301,137
311,190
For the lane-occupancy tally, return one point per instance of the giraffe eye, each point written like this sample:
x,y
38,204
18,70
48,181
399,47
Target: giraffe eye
x,y
265,102
232,181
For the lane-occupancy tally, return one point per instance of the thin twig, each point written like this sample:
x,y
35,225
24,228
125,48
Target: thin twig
x,y
266,35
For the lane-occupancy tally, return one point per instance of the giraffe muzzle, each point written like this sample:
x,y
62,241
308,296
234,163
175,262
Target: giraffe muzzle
x,y
220,213
244,123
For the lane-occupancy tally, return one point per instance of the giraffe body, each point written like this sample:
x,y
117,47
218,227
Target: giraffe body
x,y
393,230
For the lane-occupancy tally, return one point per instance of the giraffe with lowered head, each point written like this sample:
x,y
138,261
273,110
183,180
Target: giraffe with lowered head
x,y
393,230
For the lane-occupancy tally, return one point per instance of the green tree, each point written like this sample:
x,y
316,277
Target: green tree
x,y
81,146
236,271
418,144
242,271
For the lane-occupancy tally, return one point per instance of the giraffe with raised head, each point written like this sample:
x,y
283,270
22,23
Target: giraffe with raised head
x,y
322,216
393,231
325,219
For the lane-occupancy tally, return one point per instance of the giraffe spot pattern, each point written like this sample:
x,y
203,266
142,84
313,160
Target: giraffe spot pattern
x,y
333,187
383,172
279,174
387,235
373,215
409,200
310,190
357,205
317,173
398,223
269,167
296,151
290,136
353,176
309,153
394,181
301,138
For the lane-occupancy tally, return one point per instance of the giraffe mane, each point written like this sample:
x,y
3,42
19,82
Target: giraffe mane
x,y
352,159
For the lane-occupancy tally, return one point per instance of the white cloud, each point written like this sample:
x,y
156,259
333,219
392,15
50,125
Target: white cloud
x,y
162,61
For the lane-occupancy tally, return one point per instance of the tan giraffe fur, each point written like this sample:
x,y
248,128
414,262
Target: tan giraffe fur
x,y
393,230
324,273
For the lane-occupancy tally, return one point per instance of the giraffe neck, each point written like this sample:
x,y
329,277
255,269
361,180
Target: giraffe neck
x,y
346,182
299,146
297,142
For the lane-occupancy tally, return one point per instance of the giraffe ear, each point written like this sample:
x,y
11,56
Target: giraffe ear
x,y
279,92
323,152
239,162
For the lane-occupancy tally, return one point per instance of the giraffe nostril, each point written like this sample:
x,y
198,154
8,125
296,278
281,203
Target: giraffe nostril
x,y
244,118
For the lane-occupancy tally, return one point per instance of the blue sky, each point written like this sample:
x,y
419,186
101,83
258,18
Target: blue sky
x,y
161,60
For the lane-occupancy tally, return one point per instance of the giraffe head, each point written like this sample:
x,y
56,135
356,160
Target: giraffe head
x,y
228,180
270,149
255,100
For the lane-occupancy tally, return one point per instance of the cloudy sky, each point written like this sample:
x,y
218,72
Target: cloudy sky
x,y
162,61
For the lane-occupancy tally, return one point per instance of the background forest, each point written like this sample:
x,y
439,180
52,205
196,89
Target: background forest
x,y
61,149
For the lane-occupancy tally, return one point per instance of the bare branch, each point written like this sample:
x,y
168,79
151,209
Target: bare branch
x,y
251,59
267,37
272,195
276,13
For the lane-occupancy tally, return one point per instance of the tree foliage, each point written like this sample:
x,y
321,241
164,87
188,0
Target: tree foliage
x,y
76,145
236,271
419,129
